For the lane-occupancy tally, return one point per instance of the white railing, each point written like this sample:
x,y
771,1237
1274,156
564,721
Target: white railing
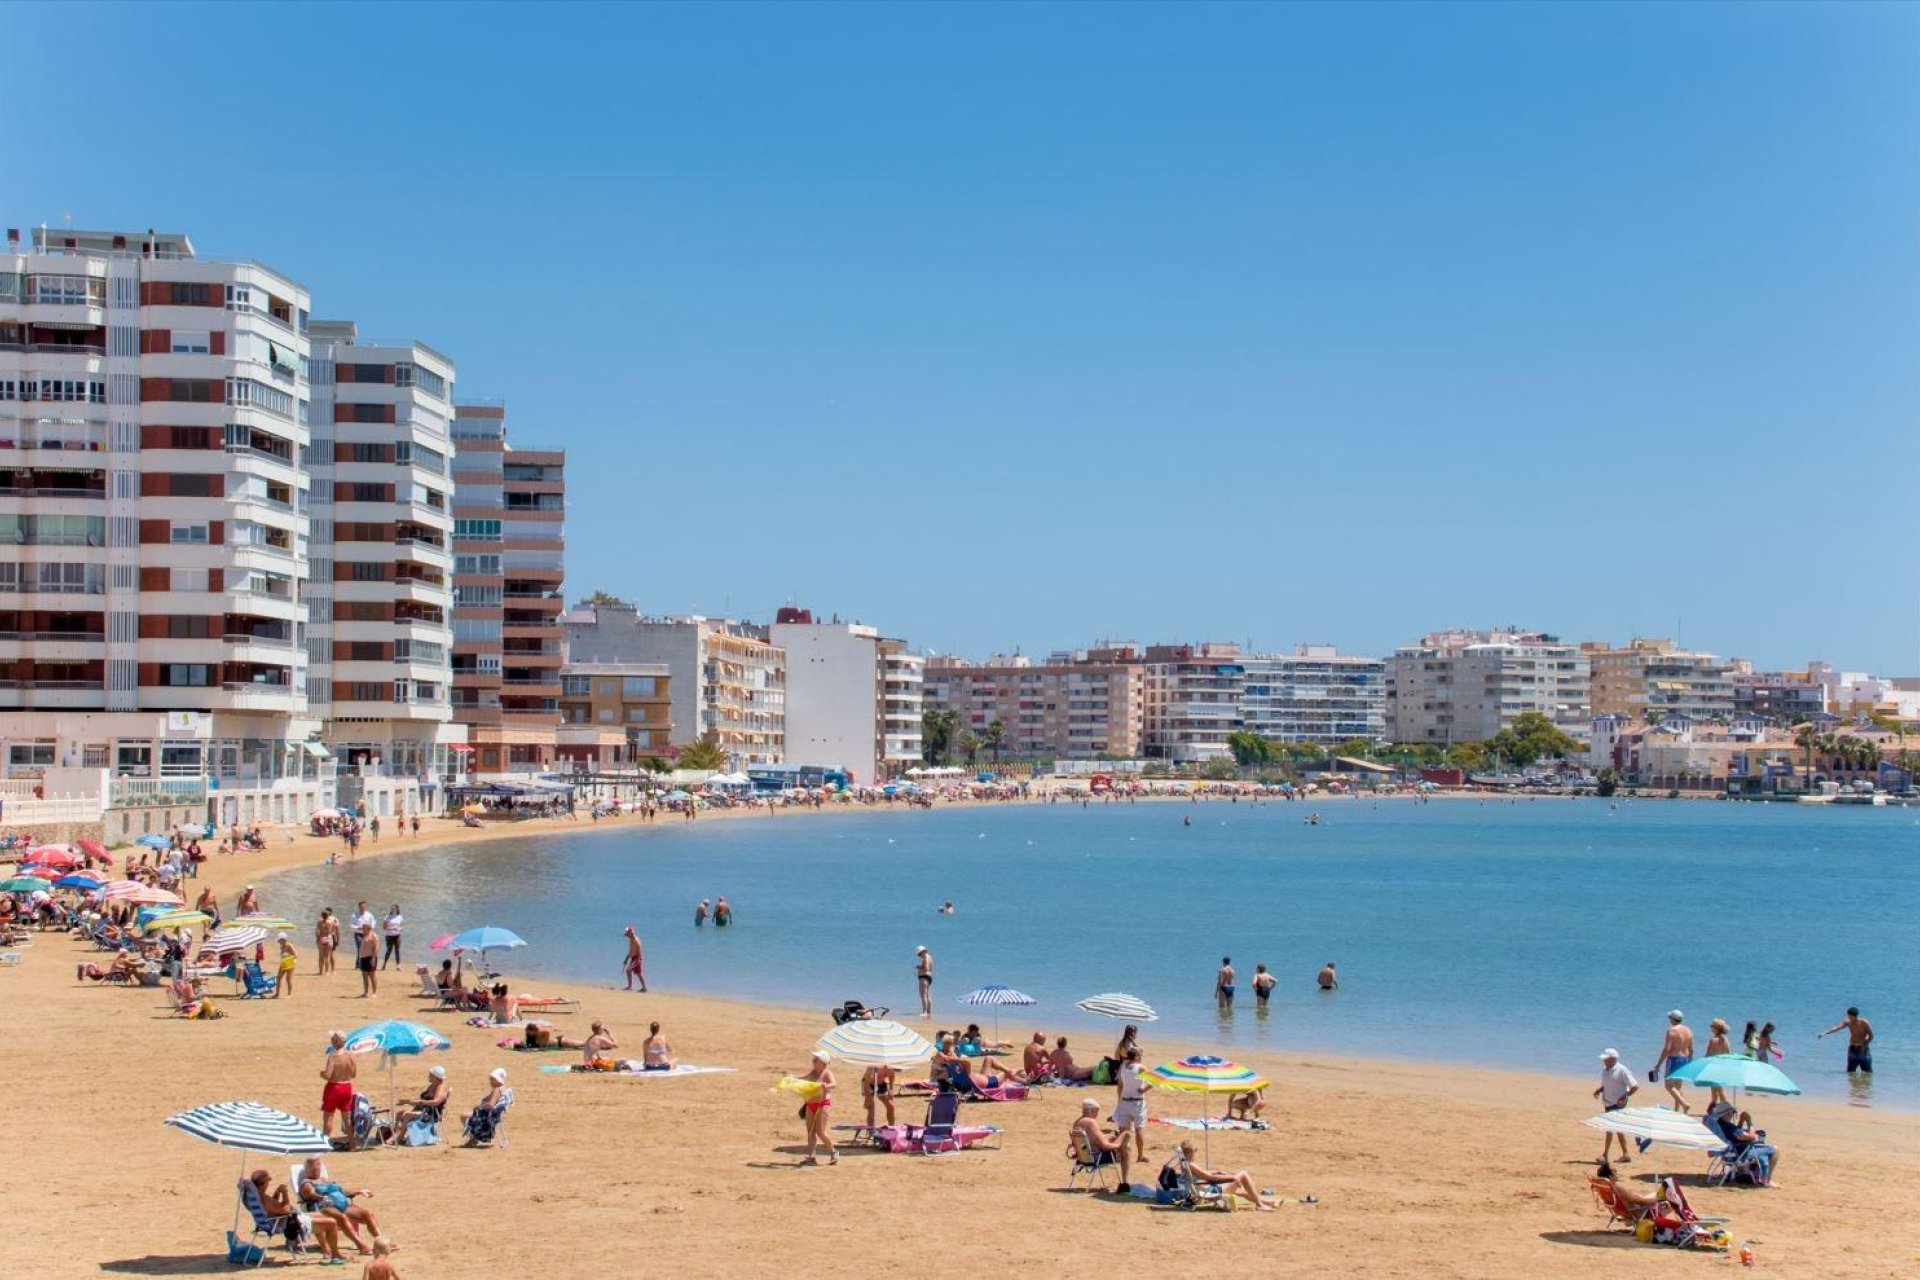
x,y
22,813
126,793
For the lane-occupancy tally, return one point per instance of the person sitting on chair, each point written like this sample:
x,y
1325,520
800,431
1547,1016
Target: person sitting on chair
x,y
278,1202
1640,1197
1103,1147
1238,1183
429,1105
322,1196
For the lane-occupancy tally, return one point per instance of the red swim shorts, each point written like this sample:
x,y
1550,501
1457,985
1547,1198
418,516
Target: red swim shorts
x,y
337,1096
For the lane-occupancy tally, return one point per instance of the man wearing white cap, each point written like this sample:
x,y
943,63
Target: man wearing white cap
x,y
923,969
1616,1086
1676,1051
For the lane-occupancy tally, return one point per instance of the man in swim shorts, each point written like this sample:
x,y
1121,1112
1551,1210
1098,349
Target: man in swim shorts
x,y
923,970
636,964
1676,1051
1859,1041
1223,983
336,1095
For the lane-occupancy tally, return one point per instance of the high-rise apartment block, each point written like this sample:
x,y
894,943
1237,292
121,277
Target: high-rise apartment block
x,y
1193,696
1649,679
1466,686
154,503
380,600
1315,695
1071,706
853,697
728,680
1775,697
508,569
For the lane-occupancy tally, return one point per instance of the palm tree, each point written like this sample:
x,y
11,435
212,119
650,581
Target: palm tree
x,y
936,733
704,754
1807,736
969,746
994,739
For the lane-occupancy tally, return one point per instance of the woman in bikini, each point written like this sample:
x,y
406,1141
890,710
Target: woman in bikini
x,y
815,1109
876,1090
657,1053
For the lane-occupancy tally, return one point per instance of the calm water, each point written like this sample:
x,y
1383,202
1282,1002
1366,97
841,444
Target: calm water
x,y
1528,935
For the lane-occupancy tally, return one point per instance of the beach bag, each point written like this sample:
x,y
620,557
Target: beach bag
x,y
422,1133
1102,1072
242,1254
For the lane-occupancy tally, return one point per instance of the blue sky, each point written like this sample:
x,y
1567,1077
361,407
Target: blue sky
x,y
1013,326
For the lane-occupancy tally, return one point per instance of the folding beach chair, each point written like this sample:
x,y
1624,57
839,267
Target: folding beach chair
x,y
1751,1162
484,1124
1618,1207
257,985
268,1230
942,1132
368,1131
1087,1163
1180,1188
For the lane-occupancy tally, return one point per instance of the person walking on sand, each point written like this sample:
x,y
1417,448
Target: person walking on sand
x,y
1676,1051
636,962
923,973
325,936
1223,983
1617,1085
815,1109
1130,1110
336,1096
283,976
1328,979
1859,1041
1263,984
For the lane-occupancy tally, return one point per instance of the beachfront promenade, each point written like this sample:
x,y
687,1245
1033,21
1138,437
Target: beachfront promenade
x,y
1418,1169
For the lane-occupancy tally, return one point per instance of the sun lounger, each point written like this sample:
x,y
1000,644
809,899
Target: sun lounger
x,y
940,1132
549,1004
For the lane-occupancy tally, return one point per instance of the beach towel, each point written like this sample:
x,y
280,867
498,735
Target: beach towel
x,y
1210,1124
519,1045
631,1067
1000,1093
484,1022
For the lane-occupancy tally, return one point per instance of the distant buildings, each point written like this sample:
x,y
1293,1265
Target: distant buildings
x,y
1192,701
614,714
1466,686
380,598
727,681
1650,679
853,697
1775,697
508,567
1315,695
1071,706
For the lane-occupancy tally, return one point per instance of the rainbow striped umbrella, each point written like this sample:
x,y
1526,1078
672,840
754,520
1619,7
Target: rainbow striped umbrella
x,y
1204,1073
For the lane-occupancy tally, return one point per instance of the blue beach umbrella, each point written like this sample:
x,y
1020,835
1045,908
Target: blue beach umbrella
x,y
994,995
1733,1071
484,938
79,880
24,884
155,841
392,1038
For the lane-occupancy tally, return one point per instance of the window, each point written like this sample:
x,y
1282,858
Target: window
x,y
186,675
192,342
239,298
365,571
67,291
476,597
637,715
193,533
189,580
576,686
606,716
477,530
189,628
484,566
639,686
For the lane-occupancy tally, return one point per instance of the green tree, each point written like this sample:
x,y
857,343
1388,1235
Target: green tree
x,y
1354,748
601,596
1530,738
704,754
969,746
1220,769
936,733
1609,781
656,764
995,738
1466,755
1249,748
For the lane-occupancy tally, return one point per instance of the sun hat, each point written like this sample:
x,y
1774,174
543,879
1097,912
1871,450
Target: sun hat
x,y
498,1075
1614,1054
919,948
437,1072
821,1055
1676,1016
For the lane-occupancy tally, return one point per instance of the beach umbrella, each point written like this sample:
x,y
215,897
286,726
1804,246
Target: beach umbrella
x,y
232,938
249,1126
1658,1124
1733,1071
52,855
485,938
876,1042
153,896
994,996
114,890
1203,1073
153,841
24,884
391,1039
272,924
441,943
93,849
85,881
1115,1004
175,920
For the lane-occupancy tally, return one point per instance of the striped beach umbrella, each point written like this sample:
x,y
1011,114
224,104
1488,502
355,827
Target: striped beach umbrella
x,y
175,920
232,938
876,1042
1115,1004
994,996
114,890
1658,1124
153,896
272,924
249,1126
1203,1073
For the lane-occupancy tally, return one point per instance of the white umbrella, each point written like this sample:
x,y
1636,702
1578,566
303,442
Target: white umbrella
x,y
233,938
1116,1004
1658,1124
876,1042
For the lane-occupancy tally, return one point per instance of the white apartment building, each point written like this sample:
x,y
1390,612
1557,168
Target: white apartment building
x,y
1466,686
727,681
1315,695
380,639
153,422
853,696
1192,701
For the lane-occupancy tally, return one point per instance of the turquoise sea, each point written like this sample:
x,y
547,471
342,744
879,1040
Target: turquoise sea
x,y
1526,934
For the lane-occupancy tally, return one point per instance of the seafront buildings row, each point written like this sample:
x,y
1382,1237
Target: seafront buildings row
x,y
259,563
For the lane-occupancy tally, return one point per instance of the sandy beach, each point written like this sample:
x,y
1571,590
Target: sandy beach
x,y
1419,1169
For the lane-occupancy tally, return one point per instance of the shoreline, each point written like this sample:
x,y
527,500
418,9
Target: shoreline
x,y
1480,1170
